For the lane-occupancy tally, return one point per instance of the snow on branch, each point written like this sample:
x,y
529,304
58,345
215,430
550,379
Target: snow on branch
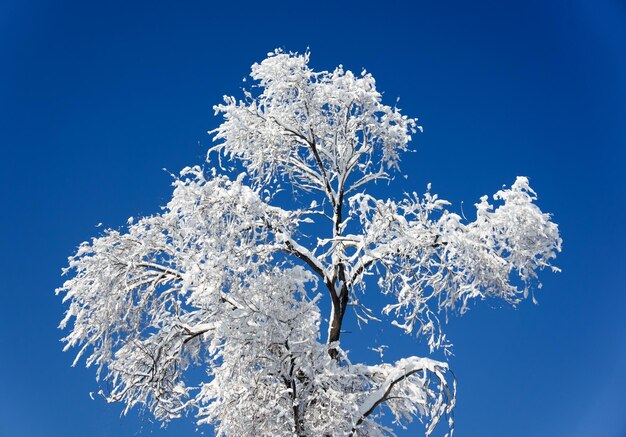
x,y
313,128
407,390
432,258
141,301
229,280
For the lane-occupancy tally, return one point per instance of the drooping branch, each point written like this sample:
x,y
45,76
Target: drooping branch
x,y
442,402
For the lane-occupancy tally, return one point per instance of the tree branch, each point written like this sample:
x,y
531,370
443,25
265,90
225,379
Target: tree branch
x,y
407,367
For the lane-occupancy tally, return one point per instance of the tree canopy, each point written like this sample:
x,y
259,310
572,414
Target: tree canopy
x,y
231,280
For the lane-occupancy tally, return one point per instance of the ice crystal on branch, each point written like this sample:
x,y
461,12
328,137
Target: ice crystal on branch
x,y
226,280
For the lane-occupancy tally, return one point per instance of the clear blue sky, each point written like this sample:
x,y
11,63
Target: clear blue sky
x,y
97,97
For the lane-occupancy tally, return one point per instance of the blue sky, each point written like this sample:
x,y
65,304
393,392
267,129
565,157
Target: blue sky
x,y
97,98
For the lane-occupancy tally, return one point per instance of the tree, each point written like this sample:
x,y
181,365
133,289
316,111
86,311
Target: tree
x,y
227,278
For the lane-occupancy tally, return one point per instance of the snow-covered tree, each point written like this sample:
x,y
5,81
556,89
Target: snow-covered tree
x,y
232,279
